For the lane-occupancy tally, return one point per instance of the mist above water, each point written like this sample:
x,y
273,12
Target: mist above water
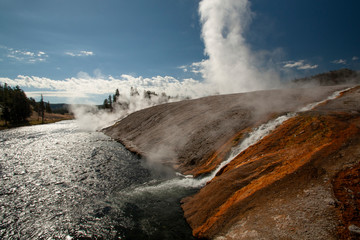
x,y
93,118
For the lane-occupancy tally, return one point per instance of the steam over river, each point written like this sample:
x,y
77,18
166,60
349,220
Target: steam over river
x,y
60,182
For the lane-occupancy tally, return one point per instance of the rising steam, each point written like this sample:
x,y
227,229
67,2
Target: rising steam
x,y
231,65
92,118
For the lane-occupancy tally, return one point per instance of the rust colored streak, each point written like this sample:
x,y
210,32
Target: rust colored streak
x,y
298,142
218,156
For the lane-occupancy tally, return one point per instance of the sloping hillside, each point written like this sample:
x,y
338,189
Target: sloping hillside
x,y
284,185
186,134
299,182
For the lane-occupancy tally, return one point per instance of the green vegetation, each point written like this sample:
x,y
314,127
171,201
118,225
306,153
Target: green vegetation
x,y
117,101
15,106
17,110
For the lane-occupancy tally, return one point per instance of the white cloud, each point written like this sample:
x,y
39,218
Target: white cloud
x,y
184,68
56,94
293,64
339,61
355,58
85,86
80,53
24,55
308,66
195,67
300,65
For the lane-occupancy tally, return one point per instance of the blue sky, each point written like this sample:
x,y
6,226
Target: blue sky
x,y
81,50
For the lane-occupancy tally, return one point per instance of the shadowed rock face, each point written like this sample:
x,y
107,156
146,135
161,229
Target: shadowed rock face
x,y
291,183
187,134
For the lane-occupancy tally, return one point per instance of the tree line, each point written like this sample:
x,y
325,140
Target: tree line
x,y
15,107
40,107
115,100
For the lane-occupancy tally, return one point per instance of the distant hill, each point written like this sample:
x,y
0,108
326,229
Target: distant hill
x,y
61,108
337,77
58,105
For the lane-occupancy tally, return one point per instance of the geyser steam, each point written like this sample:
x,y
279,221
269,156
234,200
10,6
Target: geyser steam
x,y
231,65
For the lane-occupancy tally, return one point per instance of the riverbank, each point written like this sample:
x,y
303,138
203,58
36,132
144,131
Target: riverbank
x,y
188,134
298,166
35,120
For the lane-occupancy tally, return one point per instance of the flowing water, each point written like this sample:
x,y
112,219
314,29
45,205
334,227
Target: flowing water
x,y
259,133
60,182
254,136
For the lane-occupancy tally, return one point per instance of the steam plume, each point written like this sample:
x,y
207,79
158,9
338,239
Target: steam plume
x,y
231,65
90,118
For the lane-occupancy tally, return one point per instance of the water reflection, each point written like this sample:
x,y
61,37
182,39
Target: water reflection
x,y
60,182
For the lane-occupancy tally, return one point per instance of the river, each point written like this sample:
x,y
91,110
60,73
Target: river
x,y
61,182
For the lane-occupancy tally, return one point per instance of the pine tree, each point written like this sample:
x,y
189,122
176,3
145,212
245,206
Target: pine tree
x,y
106,104
14,104
6,115
42,108
35,106
110,103
48,107
116,96
21,108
